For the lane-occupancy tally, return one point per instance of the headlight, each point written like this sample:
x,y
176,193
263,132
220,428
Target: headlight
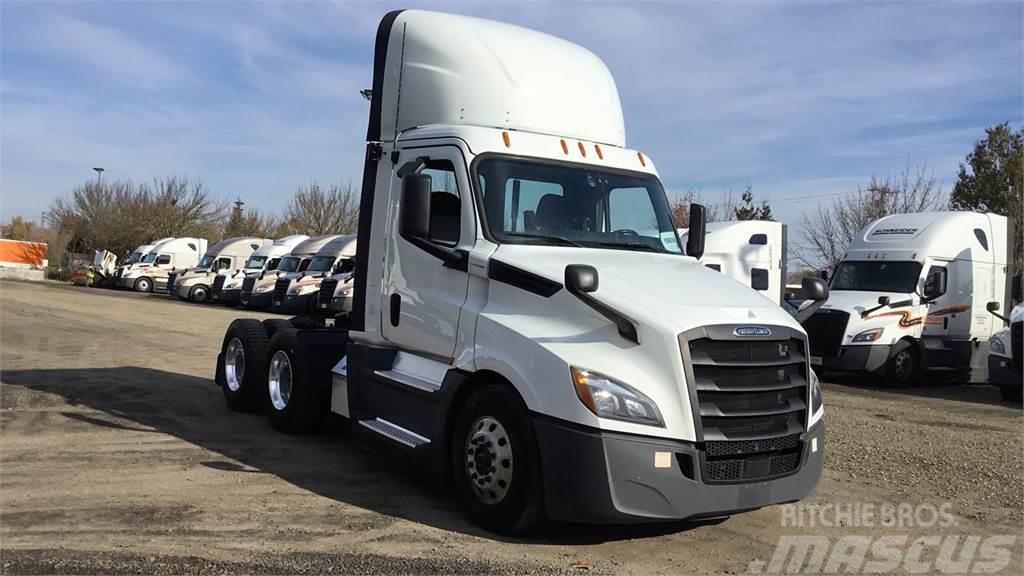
x,y
869,335
612,399
815,393
305,289
997,345
263,288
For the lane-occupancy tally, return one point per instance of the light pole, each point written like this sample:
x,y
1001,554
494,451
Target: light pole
x,y
99,175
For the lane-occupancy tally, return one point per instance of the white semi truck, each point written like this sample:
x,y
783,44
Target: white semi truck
x,y
194,283
258,293
525,325
1006,347
285,297
752,252
909,298
167,255
302,295
335,296
227,286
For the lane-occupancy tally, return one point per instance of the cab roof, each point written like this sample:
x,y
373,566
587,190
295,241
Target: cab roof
x,y
340,246
312,245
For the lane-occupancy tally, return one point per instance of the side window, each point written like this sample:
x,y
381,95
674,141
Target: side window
x,y
759,279
163,259
193,247
272,264
631,209
445,205
982,239
934,281
532,205
223,263
304,264
759,240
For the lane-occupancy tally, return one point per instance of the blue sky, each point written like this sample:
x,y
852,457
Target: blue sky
x,y
798,99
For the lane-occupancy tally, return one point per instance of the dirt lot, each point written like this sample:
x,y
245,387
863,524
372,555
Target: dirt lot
x,y
119,456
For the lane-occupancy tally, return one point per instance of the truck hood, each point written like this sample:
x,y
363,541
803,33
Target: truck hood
x,y
655,288
897,322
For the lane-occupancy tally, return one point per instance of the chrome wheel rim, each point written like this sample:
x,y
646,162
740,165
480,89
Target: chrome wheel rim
x,y
234,364
143,285
280,380
489,463
199,294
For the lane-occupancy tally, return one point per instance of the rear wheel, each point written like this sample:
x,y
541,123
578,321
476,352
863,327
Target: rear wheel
x,y
495,462
199,293
242,371
294,402
901,369
143,285
275,325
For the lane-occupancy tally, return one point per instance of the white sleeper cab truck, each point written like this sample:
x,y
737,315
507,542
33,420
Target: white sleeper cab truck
x,y
194,284
1006,347
335,295
524,325
752,252
910,297
227,287
259,294
287,279
166,256
135,258
303,293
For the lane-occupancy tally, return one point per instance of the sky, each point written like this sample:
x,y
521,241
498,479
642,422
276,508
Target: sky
x,y
801,100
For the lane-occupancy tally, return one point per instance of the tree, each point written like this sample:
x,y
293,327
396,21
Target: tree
x,y
826,233
993,180
249,222
716,211
315,210
20,229
747,211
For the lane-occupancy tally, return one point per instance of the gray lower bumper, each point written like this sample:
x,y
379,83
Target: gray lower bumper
x,y
602,477
858,358
1002,374
257,300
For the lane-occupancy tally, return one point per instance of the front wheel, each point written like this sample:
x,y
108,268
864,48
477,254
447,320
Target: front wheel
x,y
199,294
901,368
143,285
495,462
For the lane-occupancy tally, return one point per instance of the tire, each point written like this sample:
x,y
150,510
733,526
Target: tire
x,y
295,404
144,284
902,366
275,325
494,426
243,378
199,294
1011,393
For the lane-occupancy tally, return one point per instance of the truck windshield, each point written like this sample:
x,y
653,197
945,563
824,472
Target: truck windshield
x,y
133,258
877,276
530,202
149,258
206,262
255,262
320,264
288,264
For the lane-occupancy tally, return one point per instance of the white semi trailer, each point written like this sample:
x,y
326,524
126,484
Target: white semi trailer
x,y
525,325
909,297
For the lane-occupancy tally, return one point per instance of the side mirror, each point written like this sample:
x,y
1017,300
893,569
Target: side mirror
x,y
415,217
344,266
992,307
816,289
883,300
581,278
1015,288
935,284
695,238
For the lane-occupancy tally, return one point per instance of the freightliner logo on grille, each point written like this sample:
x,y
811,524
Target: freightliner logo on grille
x,y
752,331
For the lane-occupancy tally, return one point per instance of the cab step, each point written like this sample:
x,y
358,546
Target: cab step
x,y
395,432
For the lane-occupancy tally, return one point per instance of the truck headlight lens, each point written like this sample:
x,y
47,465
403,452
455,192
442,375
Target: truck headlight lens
x,y
997,346
815,393
869,335
263,288
608,398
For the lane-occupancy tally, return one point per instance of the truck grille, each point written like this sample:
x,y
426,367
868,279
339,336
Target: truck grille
x,y
218,287
281,290
1016,344
752,405
825,331
327,288
247,285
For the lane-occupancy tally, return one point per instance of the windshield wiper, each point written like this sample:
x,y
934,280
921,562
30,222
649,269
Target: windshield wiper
x,y
638,246
556,239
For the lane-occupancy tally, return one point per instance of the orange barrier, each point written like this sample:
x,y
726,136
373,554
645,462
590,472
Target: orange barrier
x,y
17,254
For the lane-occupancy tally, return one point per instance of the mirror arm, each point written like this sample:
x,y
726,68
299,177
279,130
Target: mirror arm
x,y
1000,316
865,313
809,311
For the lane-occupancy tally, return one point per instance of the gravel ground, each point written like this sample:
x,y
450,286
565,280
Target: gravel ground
x,y
119,456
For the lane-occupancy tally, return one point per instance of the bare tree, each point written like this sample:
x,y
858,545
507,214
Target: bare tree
x,y
717,211
826,232
315,210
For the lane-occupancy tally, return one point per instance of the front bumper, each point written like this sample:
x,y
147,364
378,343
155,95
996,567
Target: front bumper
x,y
294,303
867,358
230,296
1002,374
337,305
604,477
257,300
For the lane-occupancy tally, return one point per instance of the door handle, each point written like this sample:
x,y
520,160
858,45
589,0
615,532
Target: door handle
x,y
396,309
